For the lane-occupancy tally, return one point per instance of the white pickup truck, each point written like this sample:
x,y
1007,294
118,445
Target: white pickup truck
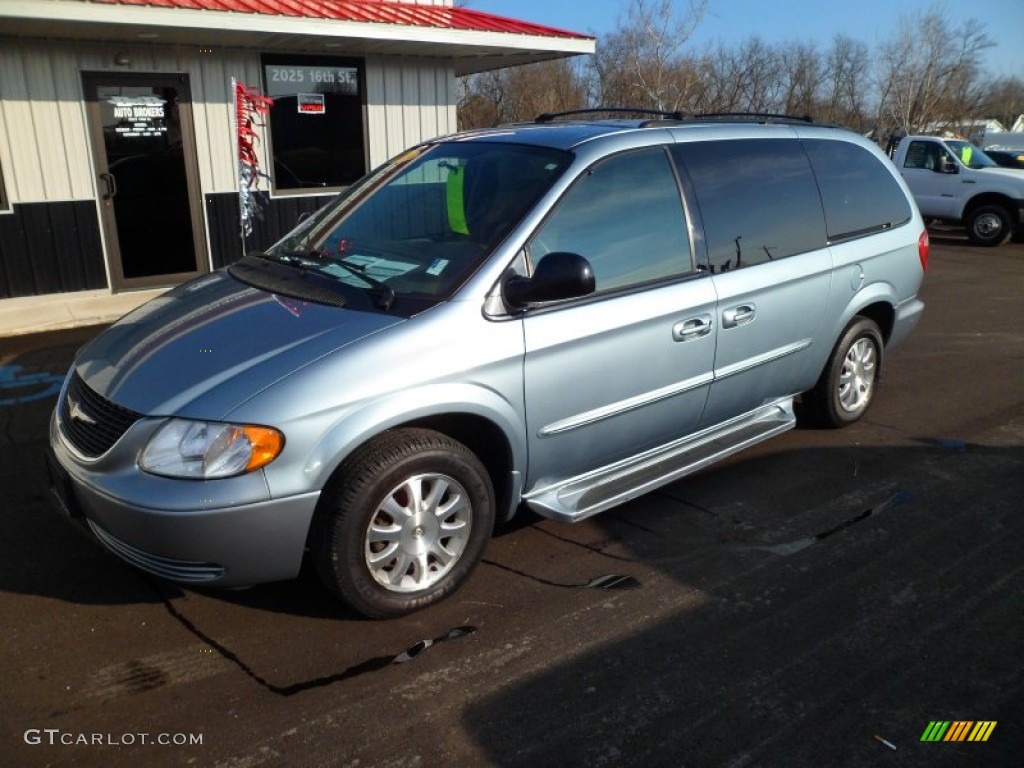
x,y
954,181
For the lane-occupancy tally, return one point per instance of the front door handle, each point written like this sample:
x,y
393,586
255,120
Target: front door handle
x,y
740,315
694,328
111,182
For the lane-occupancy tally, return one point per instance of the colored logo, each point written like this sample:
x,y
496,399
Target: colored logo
x,y
958,730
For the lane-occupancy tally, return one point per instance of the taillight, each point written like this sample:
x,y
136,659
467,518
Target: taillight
x,y
923,248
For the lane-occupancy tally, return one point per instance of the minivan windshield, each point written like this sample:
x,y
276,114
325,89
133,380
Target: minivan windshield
x,y
420,225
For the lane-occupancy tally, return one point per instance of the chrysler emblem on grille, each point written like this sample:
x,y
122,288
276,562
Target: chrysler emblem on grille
x,y
75,412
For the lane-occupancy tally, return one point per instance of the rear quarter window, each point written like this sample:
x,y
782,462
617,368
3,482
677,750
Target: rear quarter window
x,y
758,199
860,195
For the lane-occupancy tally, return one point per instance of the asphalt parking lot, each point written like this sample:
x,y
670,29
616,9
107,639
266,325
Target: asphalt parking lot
x,y
820,600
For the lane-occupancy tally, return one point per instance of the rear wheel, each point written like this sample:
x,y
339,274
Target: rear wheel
x,y
989,225
404,524
847,386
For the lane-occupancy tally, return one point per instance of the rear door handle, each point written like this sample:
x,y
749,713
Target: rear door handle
x,y
740,315
694,328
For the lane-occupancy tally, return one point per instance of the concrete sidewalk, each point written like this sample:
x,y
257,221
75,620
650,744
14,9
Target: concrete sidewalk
x,y
37,314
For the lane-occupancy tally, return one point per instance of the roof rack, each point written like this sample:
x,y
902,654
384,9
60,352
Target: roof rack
x,y
753,117
681,117
549,117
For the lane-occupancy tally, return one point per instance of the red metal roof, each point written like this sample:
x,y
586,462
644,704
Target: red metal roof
x,y
374,11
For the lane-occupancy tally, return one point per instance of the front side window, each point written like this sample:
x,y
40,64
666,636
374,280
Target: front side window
x,y
625,216
758,200
970,155
420,225
859,193
316,124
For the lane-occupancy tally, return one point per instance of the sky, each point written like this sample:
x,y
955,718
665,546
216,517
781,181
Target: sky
x,y
778,21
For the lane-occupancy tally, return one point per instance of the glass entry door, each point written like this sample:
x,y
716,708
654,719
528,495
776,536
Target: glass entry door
x,y
147,177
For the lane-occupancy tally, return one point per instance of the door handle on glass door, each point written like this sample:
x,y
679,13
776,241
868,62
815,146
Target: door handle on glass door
x,y
111,182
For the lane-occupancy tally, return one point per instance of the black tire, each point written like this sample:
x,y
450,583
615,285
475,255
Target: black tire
x,y
989,225
416,555
847,385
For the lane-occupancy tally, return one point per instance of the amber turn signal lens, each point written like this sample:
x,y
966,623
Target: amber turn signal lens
x,y
266,445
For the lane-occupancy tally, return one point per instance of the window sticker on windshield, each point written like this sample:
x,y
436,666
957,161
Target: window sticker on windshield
x,y
437,267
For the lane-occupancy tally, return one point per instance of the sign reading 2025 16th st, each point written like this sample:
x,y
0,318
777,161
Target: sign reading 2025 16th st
x,y
289,79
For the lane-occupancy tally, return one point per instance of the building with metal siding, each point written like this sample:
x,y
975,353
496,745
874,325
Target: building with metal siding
x,y
91,201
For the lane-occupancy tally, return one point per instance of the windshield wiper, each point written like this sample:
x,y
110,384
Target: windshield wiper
x,y
296,258
384,292
381,291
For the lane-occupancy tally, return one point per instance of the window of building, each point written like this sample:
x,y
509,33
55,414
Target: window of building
x,y
625,216
860,195
758,200
317,137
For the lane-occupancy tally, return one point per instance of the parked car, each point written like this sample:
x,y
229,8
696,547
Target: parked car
x,y
954,182
1007,158
562,315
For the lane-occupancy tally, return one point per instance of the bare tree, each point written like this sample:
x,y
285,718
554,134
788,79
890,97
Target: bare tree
x,y
1004,100
550,86
928,72
744,79
640,63
520,93
481,100
845,86
803,75
925,77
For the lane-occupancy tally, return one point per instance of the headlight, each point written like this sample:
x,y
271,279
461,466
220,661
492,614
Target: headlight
x,y
205,450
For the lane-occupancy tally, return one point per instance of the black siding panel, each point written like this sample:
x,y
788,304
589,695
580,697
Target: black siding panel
x,y
279,216
50,248
15,272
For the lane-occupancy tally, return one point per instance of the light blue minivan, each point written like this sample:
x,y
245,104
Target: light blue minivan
x,y
561,315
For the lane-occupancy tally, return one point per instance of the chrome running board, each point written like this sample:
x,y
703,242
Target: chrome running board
x,y
580,497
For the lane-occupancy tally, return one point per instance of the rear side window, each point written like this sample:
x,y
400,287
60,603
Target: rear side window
x,y
860,195
757,198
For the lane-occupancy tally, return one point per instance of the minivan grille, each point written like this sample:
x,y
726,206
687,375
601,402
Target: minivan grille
x,y
91,423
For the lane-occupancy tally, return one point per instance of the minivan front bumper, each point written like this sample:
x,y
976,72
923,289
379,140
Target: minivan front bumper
x,y
220,546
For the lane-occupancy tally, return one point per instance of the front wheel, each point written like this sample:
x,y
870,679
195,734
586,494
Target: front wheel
x,y
847,386
404,523
989,225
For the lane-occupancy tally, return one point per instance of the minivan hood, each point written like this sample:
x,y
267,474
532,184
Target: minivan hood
x,y
210,344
